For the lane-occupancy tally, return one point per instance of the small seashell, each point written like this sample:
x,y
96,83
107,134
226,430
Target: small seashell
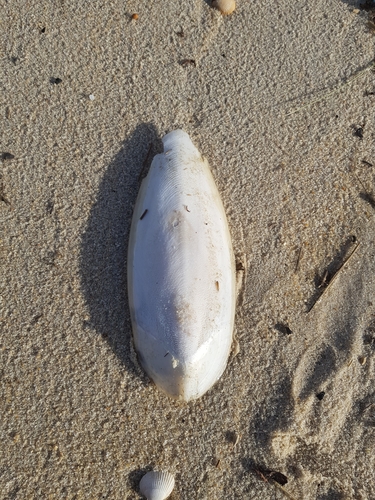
x,y
226,7
156,485
181,273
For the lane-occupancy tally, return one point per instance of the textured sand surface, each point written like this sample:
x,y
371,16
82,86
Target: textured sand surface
x,y
79,419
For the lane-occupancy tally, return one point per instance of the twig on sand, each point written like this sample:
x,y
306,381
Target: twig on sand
x,y
344,263
326,94
283,490
273,477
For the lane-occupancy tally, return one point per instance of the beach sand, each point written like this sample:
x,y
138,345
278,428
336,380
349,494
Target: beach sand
x,y
87,94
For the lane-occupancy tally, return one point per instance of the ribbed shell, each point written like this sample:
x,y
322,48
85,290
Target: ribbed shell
x,y
181,278
156,485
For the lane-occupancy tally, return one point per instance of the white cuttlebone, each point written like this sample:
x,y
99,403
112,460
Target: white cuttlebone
x,y
156,485
181,273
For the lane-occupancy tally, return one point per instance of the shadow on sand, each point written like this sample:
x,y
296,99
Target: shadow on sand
x,y
104,243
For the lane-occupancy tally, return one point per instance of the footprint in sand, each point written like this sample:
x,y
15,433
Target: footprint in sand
x,y
332,389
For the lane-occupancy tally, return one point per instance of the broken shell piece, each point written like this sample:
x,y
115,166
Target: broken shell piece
x,y
226,7
156,485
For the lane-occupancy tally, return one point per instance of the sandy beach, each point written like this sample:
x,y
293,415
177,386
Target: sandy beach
x,y
279,97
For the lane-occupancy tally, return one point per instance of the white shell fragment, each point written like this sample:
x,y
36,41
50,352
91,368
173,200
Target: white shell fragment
x,y
181,273
156,485
226,7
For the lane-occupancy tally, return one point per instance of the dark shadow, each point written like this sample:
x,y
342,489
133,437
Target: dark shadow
x,y
136,475
104,243
325,365
343,340
323,279
332,495
283,328
369,339
368,12
332,356
231,436
368,198
275,414
366,5
263,473
369,335
339,348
